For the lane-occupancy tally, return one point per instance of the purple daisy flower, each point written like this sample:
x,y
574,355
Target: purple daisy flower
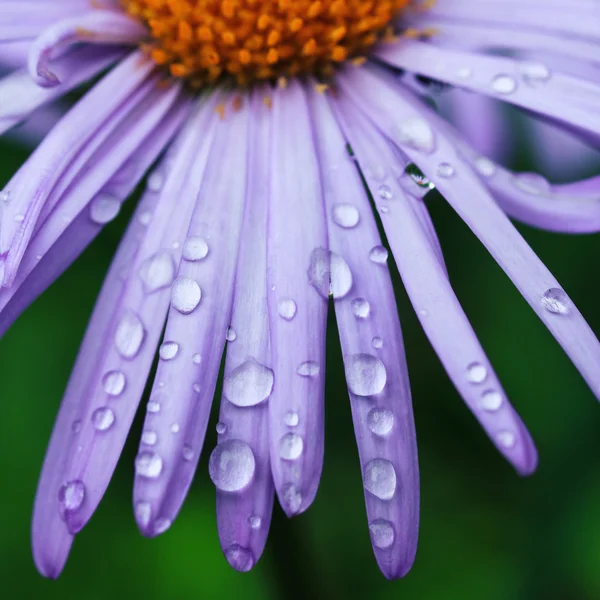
x,y
264,124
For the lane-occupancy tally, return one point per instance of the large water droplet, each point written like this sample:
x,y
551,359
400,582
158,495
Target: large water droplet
x,y
231,465
485,166
534,74
239,558
70,497
168,350
185,295
414,182
365,374
329,273
380,420
504,84
379,255
476,373
195,248
416,133
286,307
380,478
103,418
129,335
149,437
360,308
506,439
345,215
291,446
157,272
291,498
309,368
249,384
113,383
104,208
148,464
382,533
556,301
490,401
532,183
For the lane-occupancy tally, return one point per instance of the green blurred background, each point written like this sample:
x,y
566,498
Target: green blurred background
x,y
485,532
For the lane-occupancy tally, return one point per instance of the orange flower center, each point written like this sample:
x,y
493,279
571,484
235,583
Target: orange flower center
x,y
250,40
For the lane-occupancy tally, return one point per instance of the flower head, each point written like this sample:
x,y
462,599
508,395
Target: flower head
x,y
258,210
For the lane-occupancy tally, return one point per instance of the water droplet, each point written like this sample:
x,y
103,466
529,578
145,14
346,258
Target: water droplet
x,y
485,166
291,498
5,197
286,308
196,387
382,533
254,521
187,453
490,401
185,295
290,446
380,478
506,439
149,437
465,73
345,215
377,342
71,496
249,384
161,525
476,373
168,350
504,84
153,407
309,368
155,181
329,273
157,272
148,464
365,374
129,335
103,418
143,513
556,301
416,133
197,359
104,208
445,170
20,218
231,334
379,255
145,218
385,192
239,558
384,210
360,308
291,418
231,465
534,74
195,248
532,183
221,428
76,426
380,420
175,428
113,383
414,181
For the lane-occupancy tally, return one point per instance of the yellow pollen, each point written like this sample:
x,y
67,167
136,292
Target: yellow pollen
x,y
250,40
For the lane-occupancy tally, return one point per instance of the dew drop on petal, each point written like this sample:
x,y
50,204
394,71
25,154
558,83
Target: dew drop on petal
x,y
148,464
103,418
490,401
249,384
414,182
532,183
329,273
113,383
290,446
380,420
104,208
485,166
380,478
291,418
377,342
254,521
71,496
221,428
291,498
168,350
161,525
187,453
129,335
384,192
231,334
309,368
157,272
231,465
155,181
287,308
153,406
149,437
195,248
506,439
197,359
476,373
143,513
379,255
360,308
345,215
556,301
445,170
504,84
185,295
382,533
416,133
239,558
534,74
365,374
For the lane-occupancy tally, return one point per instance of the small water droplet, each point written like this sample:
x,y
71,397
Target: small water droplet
x,y
380,420
161,525
291,498
197,387
532,183
504,84
129,335
309,368
103,418
465,73
231,465
534,74
379,255
5,197
445,170
416,133
76,426
195,248
143,513
249,384
157,272
382,533
291,446
380,478
221,428
168,350
148,464
414,182
287,308
155,181
197,359
149,437
104,208
490,401
377,342
114,382
175,428
231,334
291,418
485,166
506,439
145,218
254,521
71,496
19,218
185,295
153,406
187,453
345,215
329,273
360,308
556,301
385,192
365,374
476,373
239,558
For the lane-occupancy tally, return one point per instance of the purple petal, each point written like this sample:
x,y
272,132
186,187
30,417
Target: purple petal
x,y
297,242
374,358
197,324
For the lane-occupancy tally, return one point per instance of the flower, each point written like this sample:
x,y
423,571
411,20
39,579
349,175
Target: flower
x,y
256,215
